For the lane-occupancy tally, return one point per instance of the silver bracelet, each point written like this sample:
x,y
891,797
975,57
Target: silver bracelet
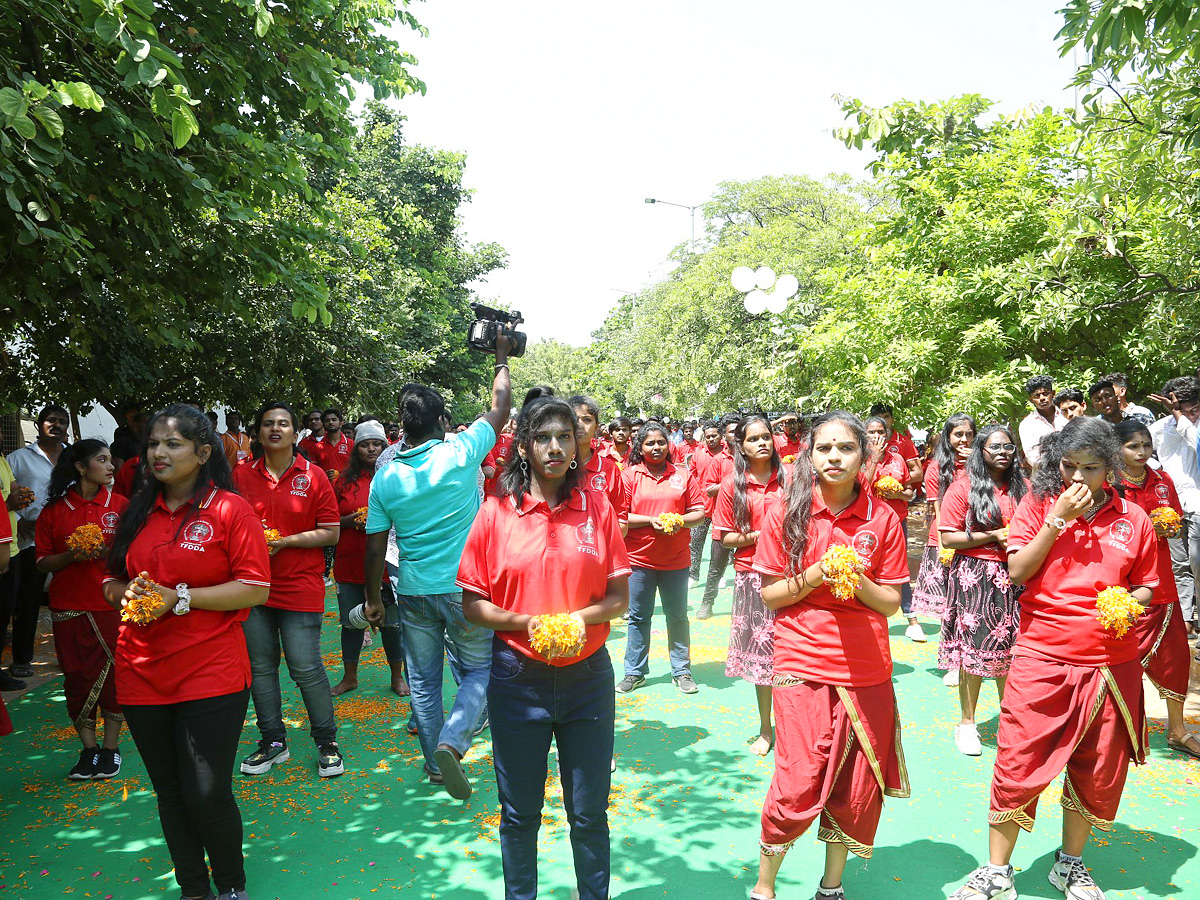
x,y
500,366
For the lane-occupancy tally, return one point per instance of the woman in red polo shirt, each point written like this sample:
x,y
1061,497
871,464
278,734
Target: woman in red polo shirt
x,y
757,483
1162,637
949,463
85,626
600,473
548,546
980,621
837,749
183,679
294,497
886,459
352,489
659,555
1073,699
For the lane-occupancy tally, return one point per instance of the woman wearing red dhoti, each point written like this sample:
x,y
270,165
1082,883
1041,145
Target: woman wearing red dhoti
x,y
73,533
1073,699
837,731
1162,636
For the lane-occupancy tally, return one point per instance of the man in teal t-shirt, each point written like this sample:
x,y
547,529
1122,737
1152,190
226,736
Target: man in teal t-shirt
x,y
429,493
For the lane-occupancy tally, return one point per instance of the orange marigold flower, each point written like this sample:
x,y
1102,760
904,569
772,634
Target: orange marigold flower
x,y
560,633
272,535
86,541
23,496
671,522
842,565
1166,519
1117,609
360,516
888,488
945,556
140,610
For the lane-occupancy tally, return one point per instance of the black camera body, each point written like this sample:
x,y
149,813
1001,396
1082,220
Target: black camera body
x,y
489,324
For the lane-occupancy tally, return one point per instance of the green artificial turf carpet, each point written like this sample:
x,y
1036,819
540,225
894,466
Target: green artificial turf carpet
x,y
684,811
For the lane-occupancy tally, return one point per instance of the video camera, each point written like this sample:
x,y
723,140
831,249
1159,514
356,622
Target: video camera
x,y
489,324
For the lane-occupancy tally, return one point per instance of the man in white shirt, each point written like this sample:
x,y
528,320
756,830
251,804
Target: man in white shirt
x,y
1132,410
1045,418
31,468
1175,443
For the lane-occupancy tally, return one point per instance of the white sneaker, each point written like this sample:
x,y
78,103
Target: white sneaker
x,y
1073,879
693,582
966,739
724,584
914,633
950,679
986,885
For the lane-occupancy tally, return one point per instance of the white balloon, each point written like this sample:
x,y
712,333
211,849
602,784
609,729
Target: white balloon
x,y
756,302
743,278
787,285
776,302
764,277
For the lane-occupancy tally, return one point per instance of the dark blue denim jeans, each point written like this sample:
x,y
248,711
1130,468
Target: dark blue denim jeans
x,y
906,588
532,702
299,635
671,586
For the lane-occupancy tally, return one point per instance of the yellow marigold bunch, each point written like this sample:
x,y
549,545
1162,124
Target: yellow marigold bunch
x,y
842,564
86,541
271,535
333,474
23,496
560,633
888,488
671,522
1167,519
140,610
1117,609
789,459
945,557
360,517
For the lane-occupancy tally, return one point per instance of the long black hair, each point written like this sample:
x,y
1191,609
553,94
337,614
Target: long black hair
x,y
1081,435
194,426
797,513
741,506
355,469
65,474
946,456
516,478
983,510
635,449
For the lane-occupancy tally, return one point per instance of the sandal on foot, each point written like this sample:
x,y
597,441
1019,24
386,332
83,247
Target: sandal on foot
x,y
1189,745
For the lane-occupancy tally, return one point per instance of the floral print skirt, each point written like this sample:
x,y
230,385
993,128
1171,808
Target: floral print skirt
x,y
751,632
929,596
981,617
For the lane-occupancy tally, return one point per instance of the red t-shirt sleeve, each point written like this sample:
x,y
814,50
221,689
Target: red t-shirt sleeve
x,y
953,516
692,494
722,520
473,574
325,500
769,555
248,557
618,559
43,533
1145,569
893,556
1026,522
907,448
931,482
618,494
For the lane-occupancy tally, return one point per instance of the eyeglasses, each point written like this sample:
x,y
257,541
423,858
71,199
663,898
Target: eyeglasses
x,y
1009,448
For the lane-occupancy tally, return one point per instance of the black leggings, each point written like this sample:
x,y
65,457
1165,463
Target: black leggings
x,y
189,750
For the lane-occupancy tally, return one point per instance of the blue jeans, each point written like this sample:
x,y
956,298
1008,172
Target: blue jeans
x,y
299,634
532,702
430,622
671,586
906,588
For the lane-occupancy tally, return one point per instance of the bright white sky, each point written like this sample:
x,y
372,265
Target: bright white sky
x,y
571,114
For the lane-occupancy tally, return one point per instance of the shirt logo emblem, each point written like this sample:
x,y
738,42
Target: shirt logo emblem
x,y
300,482
586,533
1161,492
599,482
676,480
198,532
109,520
1121,531
864,544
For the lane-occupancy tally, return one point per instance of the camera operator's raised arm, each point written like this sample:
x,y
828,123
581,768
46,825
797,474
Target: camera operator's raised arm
x,y
498,415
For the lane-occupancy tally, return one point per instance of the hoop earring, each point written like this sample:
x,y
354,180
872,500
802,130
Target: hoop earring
x,y
574,464
524,467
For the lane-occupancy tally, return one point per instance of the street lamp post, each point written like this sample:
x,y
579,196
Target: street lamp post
x,y
690,209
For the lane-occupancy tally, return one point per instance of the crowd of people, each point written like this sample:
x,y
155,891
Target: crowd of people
x,y
184,564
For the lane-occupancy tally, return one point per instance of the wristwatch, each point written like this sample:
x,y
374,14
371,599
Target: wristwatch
x,y
183,605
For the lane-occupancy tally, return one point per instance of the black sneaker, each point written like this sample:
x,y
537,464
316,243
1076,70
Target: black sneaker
x,y
685,683
267,754
85,769
8,683
329,760
630,683
108,763
705,610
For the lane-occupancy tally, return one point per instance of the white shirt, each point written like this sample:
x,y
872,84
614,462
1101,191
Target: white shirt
x,y
31,468
1033,428
1175,444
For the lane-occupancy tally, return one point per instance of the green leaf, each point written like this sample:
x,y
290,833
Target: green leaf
x,y
23,125
39,212
35,89
141,49
150,73
50,120
108,27
82,95
13,202
181,129
12,104
262,18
